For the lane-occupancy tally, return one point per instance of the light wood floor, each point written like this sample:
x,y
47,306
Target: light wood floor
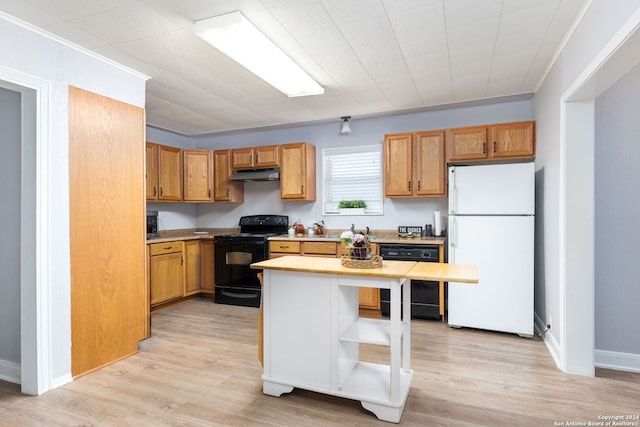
x,y
200,369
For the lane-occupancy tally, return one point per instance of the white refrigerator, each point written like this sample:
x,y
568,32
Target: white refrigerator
x,y
491,225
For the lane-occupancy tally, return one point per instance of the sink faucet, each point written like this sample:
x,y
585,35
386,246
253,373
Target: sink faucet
x,y
367,230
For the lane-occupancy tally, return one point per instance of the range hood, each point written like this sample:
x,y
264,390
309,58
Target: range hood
x,y
256,175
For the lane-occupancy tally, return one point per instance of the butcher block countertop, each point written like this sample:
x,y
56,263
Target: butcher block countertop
x,y
409,269
442,272
333,266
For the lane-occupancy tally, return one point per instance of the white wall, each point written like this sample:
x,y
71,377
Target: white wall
x,y
10,218
592,37
28,50
264,197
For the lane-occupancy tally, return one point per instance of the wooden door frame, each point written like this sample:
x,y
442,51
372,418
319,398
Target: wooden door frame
x,y
35,272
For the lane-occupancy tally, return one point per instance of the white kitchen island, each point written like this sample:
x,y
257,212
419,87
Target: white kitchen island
x,y
312,329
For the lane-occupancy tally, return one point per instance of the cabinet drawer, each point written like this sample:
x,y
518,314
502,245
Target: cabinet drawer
x,y
165,248
288,247
320,248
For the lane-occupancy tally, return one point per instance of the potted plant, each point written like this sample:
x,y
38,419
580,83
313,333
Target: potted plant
x,y
357,245
352,207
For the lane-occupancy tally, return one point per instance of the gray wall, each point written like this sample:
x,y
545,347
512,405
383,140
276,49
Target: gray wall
x,y
617,216
10,106
264,197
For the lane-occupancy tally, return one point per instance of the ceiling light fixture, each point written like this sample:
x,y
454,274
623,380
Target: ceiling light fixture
x,y
346,129
239,39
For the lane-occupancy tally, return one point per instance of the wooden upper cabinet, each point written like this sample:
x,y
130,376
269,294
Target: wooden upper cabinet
x,y
242,158
298,171
492,142
198,175
225,190
255,157
267,156
398,165
430,172
152,171
169,173
467,143
512,140
414,164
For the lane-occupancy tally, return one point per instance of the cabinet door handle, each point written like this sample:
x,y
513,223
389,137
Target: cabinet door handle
x,y
209,193
161,191
166,248
227,192
409,185
302,189
419,185
250,159
257,161
284,247
154,191
494,146
181,260
484,148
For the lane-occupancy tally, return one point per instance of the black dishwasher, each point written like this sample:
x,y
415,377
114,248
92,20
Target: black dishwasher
x,y
425,295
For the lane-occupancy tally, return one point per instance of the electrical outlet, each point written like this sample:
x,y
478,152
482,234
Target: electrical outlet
x,y
549,323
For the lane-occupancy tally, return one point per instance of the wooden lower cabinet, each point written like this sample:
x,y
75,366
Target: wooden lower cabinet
x,y
322,249
166,271
369,297
192,267
207,267
180,269
283,247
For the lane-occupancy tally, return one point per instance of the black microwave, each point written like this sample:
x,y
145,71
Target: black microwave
x,y
152,224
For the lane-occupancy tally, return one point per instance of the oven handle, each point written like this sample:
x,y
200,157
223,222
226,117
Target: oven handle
x,y
236,295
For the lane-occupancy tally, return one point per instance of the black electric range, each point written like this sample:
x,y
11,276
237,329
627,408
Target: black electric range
x,y
236,282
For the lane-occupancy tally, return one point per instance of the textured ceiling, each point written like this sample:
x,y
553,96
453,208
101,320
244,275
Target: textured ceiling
x,y
371,56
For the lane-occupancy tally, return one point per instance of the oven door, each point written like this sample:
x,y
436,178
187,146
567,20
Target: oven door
x,y
236,282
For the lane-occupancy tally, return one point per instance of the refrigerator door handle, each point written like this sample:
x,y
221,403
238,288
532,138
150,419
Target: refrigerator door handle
x,y
452,192
452,238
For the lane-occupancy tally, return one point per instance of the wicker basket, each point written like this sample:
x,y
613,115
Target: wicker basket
x,y
374,262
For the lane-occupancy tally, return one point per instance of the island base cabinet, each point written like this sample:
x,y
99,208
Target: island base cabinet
x,y
298,350
317,347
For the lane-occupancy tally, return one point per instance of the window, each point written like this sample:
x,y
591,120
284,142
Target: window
x,y
353,173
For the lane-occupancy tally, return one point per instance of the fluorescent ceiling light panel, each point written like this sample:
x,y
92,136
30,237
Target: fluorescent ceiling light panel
x,y
238,38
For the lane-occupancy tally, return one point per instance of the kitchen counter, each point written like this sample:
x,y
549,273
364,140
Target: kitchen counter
x,y
386,237
191,234
378,237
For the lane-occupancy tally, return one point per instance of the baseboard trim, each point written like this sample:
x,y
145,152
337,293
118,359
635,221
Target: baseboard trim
x,y
60,381
549,340
10,371
616,360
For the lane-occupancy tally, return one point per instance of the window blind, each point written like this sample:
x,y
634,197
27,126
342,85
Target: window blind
x,y
353,173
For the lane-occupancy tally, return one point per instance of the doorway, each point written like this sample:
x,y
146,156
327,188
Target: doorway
x,y
577,212
33,163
